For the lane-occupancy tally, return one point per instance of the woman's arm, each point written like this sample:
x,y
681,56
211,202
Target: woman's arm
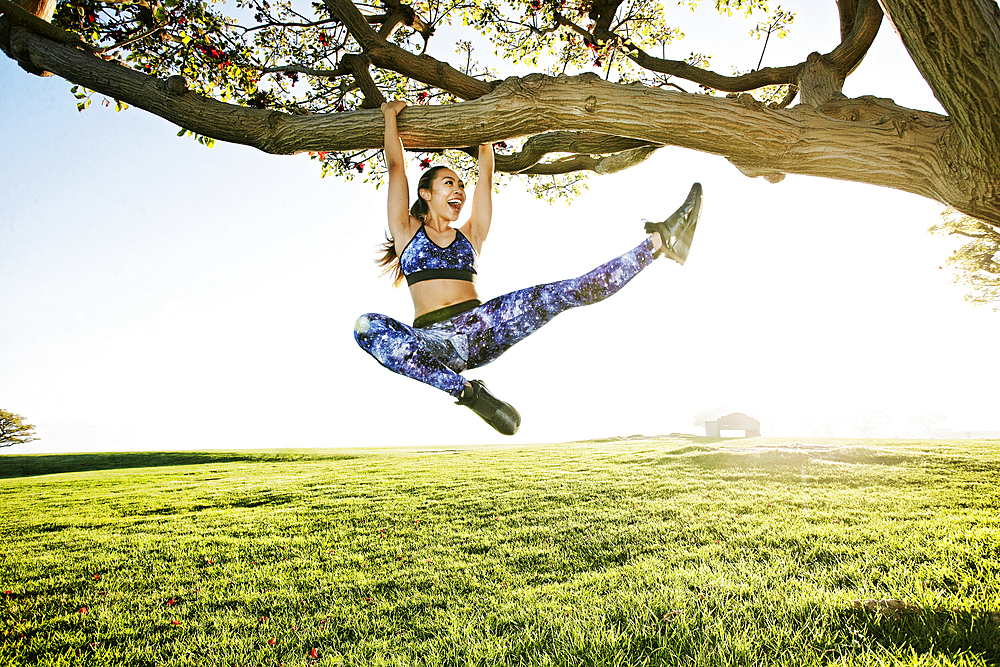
x,y
399,191
482,199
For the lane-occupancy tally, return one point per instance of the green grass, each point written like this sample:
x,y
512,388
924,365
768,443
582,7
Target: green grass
x,y
640,551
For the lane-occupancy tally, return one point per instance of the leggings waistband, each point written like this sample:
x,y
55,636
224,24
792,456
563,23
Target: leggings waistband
x,y
446,313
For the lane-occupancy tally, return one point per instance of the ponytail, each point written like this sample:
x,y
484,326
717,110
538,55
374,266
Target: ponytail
x,y
389,260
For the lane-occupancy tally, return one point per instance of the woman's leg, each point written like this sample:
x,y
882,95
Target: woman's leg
x,y
415,353
492,328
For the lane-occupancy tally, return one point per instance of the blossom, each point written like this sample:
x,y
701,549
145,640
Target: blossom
x,y
314,653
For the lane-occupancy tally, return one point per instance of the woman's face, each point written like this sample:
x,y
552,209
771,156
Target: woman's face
x,y
446,196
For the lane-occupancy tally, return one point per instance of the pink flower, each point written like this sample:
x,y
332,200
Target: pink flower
x,y
96,577
271,641
83,610
171,601
314,653
175,622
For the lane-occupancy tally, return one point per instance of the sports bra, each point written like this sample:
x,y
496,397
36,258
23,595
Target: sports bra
x,y
422,259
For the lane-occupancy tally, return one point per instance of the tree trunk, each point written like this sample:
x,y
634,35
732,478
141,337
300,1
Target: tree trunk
x,y
956,47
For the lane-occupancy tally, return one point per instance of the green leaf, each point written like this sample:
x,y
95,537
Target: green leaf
x,y
182,132
159,14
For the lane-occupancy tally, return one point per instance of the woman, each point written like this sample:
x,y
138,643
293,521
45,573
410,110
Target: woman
x,y
453,329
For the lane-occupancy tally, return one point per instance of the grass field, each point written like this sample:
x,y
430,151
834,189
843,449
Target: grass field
x,y
644,551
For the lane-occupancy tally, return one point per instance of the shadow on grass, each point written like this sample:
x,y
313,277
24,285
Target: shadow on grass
x,y
707,454
939,632
52,464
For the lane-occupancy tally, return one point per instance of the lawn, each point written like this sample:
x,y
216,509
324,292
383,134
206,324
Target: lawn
x,y
637,551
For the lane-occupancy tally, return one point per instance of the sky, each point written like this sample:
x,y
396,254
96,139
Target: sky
x,y
157,294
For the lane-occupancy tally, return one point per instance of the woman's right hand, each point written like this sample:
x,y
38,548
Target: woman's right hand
x,y
393,107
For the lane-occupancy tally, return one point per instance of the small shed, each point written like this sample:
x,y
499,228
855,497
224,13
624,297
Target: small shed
x,y
736,421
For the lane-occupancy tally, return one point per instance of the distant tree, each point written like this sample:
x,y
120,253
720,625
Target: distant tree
x,y
926,421
13,430
868,423
977,263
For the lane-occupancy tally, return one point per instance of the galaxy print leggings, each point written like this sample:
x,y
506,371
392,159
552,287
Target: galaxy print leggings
x,y
438,353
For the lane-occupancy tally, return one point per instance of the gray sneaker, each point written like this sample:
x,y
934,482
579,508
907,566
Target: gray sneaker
x,y
677,231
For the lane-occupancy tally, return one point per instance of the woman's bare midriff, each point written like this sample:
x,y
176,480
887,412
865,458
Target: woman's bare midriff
x,y
432,295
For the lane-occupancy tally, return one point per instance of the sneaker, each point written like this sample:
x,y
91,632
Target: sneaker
x,y
501,416
677,231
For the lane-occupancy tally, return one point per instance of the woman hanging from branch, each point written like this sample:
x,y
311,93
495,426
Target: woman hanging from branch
x,y
453,330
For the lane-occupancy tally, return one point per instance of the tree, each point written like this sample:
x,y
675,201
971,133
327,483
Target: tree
x,y
233,78
868,423
13,430
977,262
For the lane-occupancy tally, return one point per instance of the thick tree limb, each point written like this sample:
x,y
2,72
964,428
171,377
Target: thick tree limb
x,y
538,146
864,140
389,56
847,10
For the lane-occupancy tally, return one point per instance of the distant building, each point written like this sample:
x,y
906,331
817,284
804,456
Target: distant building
x,y
736,421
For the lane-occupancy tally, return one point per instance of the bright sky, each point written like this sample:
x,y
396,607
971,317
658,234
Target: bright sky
x,y
158,294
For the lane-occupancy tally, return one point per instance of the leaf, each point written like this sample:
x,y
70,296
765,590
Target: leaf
x,y
159,14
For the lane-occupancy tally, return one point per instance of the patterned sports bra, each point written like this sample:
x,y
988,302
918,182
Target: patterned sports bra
x,y
422,259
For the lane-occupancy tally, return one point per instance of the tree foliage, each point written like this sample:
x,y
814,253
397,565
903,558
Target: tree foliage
x,y
977,261
589,86
14,431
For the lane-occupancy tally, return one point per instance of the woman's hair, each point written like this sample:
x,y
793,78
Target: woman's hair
x,y
389,260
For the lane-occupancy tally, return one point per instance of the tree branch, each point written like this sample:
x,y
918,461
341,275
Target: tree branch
x,y
358,65
389,56
400,14
540,145
21,17
322,73
865,140
845,57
